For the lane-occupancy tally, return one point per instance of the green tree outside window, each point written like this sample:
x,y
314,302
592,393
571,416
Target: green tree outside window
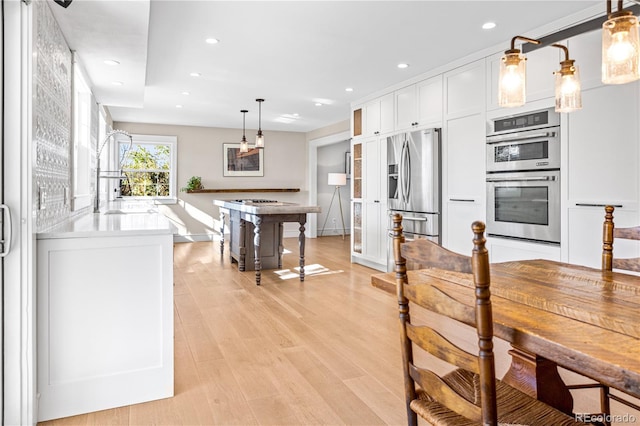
x,y
146,167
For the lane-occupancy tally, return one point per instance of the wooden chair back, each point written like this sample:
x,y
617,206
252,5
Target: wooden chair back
x,y
420,336
423,253
609,233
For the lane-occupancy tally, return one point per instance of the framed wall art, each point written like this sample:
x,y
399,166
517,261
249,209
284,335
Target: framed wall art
x,y
238,163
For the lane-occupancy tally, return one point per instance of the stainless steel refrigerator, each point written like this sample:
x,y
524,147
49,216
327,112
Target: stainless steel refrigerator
x,y
413,174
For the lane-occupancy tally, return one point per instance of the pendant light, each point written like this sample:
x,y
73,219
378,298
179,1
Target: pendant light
x,y
620,46
568,95
260,136
512,80
244,145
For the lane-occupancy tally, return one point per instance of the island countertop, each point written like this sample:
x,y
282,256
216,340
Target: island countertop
x,y
266,207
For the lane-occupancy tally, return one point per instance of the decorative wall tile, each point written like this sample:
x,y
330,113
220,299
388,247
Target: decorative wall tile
x,y
51,120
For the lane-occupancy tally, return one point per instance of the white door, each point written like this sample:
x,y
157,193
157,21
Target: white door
x,y
18,304
4,235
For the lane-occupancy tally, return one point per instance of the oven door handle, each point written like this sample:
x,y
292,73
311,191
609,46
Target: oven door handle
x,y
524,179
518,137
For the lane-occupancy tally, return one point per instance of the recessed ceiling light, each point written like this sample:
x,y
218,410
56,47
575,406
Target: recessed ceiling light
x,y
212,40
195,74
178,106
295,114
403,66
349,89
111,62
318,104
186,93
117,83
488,25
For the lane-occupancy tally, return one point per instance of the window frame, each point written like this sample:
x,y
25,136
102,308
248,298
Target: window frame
x,y
81,146
172,142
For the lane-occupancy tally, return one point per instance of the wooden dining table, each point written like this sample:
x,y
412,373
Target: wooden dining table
x,y
555,314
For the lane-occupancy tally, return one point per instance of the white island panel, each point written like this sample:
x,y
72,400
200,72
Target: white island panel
x,y
105,322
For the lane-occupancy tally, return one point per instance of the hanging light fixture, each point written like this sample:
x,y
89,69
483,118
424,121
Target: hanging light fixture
x,y
244,145
568,94
512,80
620,46
260,136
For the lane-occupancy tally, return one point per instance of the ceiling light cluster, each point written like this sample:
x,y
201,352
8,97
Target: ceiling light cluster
x,y
244,145
620,63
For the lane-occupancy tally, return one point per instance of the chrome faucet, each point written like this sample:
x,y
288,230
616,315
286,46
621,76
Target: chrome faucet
x,y
96,205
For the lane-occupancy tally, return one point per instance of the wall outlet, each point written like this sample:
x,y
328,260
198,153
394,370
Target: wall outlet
x,y
42,198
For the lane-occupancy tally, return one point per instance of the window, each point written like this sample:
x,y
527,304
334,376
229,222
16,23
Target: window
x,y
149,164
81,171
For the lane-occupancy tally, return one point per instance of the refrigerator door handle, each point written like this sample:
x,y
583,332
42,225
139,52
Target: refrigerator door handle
x,y
406,171
415,219
401,175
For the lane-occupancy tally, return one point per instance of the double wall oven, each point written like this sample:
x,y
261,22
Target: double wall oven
x,y
523,177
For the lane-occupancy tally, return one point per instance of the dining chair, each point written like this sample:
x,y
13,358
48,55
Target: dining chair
x,y
470,394
609,262
609,232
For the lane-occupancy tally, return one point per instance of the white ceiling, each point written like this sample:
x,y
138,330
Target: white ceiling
x,y
291,53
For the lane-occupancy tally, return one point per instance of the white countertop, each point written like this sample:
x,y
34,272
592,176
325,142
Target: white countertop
x,y
275,207
133,222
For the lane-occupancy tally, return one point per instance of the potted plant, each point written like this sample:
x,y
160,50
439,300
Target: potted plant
x,y
194,183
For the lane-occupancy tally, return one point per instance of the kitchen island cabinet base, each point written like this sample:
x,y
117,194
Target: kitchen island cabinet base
x,y
105,323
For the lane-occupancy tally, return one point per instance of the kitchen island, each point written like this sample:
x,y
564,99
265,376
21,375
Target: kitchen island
x,y
105,311
266,219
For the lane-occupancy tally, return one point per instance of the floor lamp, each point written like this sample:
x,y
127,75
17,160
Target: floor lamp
x,y
337,179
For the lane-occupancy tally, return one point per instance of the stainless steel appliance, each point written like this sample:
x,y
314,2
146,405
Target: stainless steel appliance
x,y
413,175
523,177
524,142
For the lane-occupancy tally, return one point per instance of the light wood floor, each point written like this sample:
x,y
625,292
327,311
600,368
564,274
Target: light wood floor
x,y
325,351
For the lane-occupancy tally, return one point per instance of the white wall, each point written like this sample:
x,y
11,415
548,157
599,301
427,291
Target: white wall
x,y
200,154
331,159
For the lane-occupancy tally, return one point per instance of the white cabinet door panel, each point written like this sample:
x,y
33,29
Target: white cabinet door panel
x,y
105,323
603,146
406,111
585,235
465,89
460,216
429,93
465,157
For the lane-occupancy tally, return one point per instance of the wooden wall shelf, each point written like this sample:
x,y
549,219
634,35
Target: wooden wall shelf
x,y
210,191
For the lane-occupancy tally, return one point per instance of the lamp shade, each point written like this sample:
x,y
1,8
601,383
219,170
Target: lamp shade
x,y
338,179
620,49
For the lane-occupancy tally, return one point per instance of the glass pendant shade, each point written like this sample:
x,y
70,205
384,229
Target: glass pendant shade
x,y
260,136
244,145
512,79
568,90
620,49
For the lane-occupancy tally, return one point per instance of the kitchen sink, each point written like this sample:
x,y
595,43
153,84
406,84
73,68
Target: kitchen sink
x,y
141,210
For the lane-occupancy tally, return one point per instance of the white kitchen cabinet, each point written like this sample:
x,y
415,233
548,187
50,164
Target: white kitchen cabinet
x,y
507,250
602,167
105,322
465,154
464,90
464,164
373,204
378,116
461,213
419,104
585,234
